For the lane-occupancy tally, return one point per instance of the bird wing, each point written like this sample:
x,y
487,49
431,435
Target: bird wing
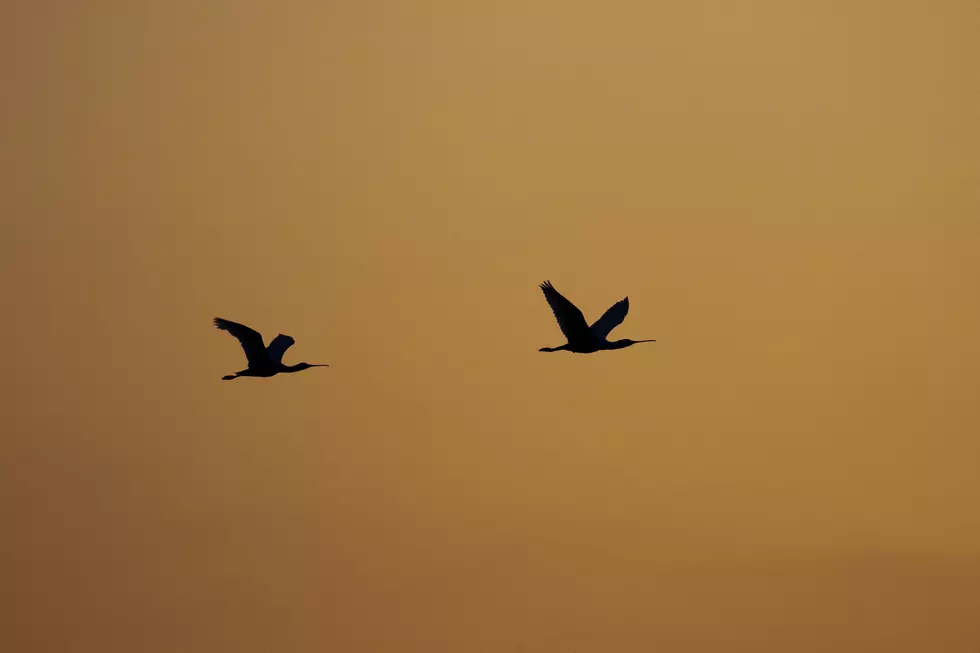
x,y
278,347
611,319
250,338
570,319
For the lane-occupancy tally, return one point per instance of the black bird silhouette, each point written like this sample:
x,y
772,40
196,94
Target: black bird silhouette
x,y
582,338
262,361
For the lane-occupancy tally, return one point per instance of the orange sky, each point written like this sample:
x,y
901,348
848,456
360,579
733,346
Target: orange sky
x,y
786,191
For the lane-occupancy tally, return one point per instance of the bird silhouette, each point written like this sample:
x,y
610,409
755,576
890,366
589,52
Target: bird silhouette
x,y
582,338
262,361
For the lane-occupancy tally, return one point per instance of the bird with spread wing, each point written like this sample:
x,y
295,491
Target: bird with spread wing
x,y
262,361
583,338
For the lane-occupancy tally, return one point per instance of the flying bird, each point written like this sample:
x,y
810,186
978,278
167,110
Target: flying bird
x,y
582,338
262,361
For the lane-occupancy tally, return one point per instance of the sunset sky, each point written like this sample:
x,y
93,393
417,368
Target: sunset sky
x,y
787,191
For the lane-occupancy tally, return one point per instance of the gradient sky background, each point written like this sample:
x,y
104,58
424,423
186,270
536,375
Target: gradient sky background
x,y
787,191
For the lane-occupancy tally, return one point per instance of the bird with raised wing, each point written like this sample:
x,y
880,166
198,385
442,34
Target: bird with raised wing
x,y
582,338
262,361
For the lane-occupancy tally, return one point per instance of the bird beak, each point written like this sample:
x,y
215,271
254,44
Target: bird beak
x,y
644,341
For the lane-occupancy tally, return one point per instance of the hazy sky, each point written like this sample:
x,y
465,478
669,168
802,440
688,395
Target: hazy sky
x,y
787,191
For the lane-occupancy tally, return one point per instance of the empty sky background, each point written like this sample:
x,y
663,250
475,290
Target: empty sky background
x,y
787,191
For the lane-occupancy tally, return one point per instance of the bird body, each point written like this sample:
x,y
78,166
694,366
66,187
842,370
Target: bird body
x,y
582,337
262,361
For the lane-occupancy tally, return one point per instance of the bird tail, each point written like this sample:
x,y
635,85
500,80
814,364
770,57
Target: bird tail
x,y
229,377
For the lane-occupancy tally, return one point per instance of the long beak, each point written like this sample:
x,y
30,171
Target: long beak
x,y
644,341
318,365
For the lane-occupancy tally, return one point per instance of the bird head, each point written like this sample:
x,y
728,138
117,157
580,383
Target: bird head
x,y
626,342
305,366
